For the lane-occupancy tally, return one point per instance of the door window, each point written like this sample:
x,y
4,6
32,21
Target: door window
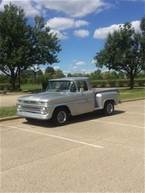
x,y
83,85
73,87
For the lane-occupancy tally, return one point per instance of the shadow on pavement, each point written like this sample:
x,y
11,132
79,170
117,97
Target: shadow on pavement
x,y
73,120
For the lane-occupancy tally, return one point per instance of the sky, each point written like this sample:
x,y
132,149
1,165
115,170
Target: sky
x,y
82,26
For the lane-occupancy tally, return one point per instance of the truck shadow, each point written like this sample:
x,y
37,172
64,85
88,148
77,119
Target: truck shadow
x,y
92,116
73,120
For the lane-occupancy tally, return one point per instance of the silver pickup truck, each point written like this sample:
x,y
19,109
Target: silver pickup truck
x,y
67,97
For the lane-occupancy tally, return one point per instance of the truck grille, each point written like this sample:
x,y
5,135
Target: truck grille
x,y
30,102
31,109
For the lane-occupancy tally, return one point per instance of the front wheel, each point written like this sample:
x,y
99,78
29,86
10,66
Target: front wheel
x,y
108,108
60,117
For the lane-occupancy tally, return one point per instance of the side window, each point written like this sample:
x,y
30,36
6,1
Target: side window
x,y
82,84
73,87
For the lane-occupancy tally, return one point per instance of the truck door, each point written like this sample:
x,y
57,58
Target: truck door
x,y
85,97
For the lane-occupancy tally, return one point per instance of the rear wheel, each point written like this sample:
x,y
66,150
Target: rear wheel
x,y
109,108
61,116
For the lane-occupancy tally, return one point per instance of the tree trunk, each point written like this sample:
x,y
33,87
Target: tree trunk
x,y
19,78
13,77
131,83
35,74
13,83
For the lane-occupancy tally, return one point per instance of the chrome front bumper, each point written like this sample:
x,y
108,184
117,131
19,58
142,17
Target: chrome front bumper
x,y
34,115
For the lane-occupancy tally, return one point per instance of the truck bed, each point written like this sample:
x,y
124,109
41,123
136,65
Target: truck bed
x,y
101,90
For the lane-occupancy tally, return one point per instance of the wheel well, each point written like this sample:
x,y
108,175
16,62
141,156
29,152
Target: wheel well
x,y
62,107
111,100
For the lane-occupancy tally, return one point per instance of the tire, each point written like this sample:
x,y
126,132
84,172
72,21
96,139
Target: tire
x,y
108,108
60,116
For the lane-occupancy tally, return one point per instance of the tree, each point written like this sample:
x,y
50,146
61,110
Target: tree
x,y
123,52
35,69
97,75
49,70
58,74
142,26
14,42
31,76
45,44
23,46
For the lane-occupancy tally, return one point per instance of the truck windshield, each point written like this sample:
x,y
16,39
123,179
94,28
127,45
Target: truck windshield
x,y
58,86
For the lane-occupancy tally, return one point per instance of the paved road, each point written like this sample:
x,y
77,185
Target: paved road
x,y
92,154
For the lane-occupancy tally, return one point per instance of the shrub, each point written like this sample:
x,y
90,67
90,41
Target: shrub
x,y
7,87
116,83
140,82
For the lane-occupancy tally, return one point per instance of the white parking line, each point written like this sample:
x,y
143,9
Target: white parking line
x,y
58,137
119,124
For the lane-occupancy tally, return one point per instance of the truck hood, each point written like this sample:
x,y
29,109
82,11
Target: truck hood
x,y
44,96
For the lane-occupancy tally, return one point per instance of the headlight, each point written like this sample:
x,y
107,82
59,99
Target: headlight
x,y
18,107
44,110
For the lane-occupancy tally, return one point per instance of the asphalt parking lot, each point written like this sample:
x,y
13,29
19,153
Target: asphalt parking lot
x,y
91,154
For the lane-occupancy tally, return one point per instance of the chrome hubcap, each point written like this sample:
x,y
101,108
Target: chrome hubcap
x,y
61,117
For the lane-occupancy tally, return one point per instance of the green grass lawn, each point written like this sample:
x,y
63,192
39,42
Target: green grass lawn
x,y
7,111
125,94
136,93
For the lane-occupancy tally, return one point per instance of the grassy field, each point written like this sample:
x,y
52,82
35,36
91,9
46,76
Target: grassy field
x,y
7,111
136,93
125,94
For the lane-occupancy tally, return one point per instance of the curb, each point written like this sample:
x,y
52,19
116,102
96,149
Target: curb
x,y
130,100
9,118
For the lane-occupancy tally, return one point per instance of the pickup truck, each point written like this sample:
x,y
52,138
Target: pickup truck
x,y
67,97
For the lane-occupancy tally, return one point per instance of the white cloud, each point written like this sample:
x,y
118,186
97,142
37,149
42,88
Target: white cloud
x,y
80,23
81,66
81,33
93,61
60,23
136,25
75,67
63,23
102,33
74,8
60,35
56,67
29,8
80,62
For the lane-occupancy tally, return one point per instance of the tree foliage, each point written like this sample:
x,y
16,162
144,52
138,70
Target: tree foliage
x,y
45,44
51,73
49,70
14,42
23,46
124,51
